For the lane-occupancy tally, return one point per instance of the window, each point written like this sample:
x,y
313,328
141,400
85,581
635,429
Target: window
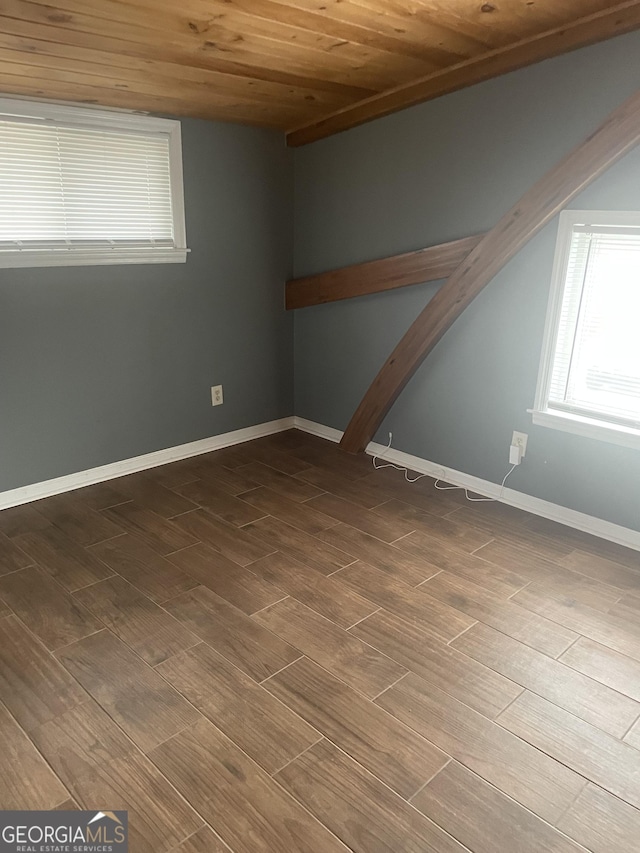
x,y
589,379
85,186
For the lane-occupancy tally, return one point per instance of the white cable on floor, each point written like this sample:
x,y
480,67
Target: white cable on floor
x,y
447,488
397,467
466,491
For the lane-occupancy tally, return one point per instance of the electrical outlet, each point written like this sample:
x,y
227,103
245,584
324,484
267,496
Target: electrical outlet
x,y
519,439
217,398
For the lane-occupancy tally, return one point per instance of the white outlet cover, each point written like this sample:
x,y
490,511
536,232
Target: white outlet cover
x,y
520,438
217,397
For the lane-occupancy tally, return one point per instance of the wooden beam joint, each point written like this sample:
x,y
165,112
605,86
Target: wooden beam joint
x,y
616,136
432,264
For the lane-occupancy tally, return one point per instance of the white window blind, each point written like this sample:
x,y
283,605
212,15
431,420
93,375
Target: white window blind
x,y
75,190
591,367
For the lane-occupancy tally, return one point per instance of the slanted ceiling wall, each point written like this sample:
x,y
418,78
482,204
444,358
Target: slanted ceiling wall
x,y
443,170
100,364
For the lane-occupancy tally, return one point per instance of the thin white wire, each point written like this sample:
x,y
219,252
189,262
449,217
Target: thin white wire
x,y
466,491
397,467
409,479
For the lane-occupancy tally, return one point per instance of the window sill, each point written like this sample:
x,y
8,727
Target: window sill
x,y
578,425
77,257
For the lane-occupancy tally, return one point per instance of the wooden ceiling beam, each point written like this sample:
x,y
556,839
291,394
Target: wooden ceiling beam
x,y
365,57
436,262
619,19
617,135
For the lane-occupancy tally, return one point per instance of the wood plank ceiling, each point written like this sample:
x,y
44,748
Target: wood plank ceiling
x,y
307,67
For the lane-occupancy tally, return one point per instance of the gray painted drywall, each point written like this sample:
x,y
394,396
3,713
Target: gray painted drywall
x,y
99,364
442,170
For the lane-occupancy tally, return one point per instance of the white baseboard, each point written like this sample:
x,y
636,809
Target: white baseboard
x,y
46,489
537,506
320,430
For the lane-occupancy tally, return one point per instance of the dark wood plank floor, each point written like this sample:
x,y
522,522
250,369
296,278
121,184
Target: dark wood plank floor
x,y
274,648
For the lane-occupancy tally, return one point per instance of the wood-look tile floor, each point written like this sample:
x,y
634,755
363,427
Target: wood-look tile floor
x,y
275,649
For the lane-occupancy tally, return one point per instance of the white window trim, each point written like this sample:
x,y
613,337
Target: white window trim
x,y
83,258
541,414
117,119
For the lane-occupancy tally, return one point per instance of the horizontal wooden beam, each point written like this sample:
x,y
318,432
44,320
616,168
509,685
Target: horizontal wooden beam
x,y
619,19
430,264
617,135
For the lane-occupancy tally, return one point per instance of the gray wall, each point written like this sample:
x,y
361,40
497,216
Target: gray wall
x,y
99,364
436,172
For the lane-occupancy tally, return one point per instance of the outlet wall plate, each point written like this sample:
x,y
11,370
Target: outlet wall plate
x,y
217,397
520,440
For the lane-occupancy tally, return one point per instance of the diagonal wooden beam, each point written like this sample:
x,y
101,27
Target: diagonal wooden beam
x,y
430,264
617,135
